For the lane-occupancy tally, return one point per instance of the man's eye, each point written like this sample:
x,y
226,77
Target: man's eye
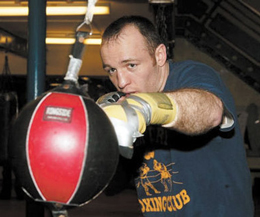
x,y
132,65
111,71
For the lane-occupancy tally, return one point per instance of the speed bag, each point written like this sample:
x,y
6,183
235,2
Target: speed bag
x,y
64,149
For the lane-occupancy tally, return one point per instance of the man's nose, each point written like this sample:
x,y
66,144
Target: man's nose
x,y
123,80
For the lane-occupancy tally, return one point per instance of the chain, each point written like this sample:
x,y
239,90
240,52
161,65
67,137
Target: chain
x,y
161,22
161,26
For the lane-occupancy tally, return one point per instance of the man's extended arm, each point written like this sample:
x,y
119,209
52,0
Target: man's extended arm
x,y
190,111
198,111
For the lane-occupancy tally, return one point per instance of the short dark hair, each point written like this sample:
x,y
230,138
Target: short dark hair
x,y
145,27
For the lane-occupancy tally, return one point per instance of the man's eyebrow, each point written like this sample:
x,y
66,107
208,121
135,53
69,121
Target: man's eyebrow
x,y
128,60
106,65
123,61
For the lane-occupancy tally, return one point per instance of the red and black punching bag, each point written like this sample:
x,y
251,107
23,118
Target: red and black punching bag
x,y
63,147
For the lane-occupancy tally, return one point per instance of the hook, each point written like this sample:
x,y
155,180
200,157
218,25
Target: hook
x,y
85,22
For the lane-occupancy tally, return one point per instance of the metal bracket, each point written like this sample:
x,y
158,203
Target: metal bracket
x,y
59,213
13,43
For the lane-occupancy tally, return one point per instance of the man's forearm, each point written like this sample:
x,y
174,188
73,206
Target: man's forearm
x,y
198,111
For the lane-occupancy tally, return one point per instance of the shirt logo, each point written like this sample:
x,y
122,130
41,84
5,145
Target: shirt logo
x,y
157,182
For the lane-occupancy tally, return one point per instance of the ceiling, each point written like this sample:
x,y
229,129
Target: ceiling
x,y
57,56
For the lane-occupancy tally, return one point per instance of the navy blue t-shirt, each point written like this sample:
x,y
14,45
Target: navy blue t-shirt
x,y
195,176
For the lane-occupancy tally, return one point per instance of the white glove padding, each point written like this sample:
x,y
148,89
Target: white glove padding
x,y
126,131
126,135
109,98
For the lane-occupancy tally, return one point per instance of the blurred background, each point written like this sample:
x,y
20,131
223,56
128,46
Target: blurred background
x,y
224,34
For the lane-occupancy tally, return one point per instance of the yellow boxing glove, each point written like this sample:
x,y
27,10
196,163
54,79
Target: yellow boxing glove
x,y
131,116
157,108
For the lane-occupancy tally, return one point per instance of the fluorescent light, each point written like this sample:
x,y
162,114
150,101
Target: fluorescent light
x,y
93,41
75,10
60,40
160,1
6,39
53,10
89,41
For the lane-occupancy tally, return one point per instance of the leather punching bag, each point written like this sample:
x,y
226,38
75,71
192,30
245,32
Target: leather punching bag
x,y
63,147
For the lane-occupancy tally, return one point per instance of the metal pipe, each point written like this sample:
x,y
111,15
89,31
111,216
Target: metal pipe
x,y
36,63
36,70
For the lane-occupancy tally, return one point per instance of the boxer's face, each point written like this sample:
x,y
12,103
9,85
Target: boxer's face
x,y
129,64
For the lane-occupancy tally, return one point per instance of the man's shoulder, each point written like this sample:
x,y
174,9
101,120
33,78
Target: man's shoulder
x,y
187,63
191,68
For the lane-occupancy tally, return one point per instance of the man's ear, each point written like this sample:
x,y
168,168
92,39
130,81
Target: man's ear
x,y
161,55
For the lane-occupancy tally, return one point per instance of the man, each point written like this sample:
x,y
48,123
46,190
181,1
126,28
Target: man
x,y
200,169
